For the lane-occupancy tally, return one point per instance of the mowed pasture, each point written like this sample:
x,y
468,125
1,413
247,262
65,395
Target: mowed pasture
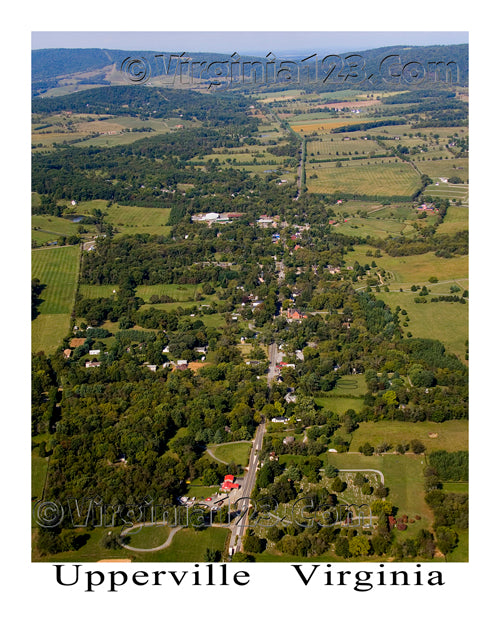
x,y
363,177
179,292
130,219
58,269
449,435
447,322
457,219
47,228
404,271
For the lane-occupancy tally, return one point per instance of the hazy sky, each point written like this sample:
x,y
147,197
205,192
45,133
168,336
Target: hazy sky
x,y
258,42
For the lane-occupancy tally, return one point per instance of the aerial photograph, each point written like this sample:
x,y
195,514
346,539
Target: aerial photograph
x,y
250,297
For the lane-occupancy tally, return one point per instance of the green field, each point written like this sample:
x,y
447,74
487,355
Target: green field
x,y
149,536
130,219
339,405
447,322
375,178
403,476
407,270
50,228
232,452
58,269
451,435
188,545
39,468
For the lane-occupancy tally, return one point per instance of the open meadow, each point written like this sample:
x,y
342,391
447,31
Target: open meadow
x,y
57,268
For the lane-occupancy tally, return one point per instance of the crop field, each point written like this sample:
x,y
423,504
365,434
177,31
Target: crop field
x,y
336,146
451,435
325,124
58,269
375,178
446,168
452,192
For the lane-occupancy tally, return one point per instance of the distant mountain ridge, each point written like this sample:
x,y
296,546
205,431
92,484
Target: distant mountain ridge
x,y
54,67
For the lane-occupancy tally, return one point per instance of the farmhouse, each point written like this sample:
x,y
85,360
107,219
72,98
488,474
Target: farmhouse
x,y
89,364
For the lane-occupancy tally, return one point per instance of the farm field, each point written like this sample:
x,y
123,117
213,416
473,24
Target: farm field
x,y
417,269
457,219
130,219
359,177
180,292
444,321
48,228
451,435
446,168
58,269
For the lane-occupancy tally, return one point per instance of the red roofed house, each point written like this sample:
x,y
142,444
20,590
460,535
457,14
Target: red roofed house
x,y
229,483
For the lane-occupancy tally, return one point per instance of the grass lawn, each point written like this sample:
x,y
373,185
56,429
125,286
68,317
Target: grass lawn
x,y
232,452
452,435
339,405
456,487
188,545
58,269
149,536
39,468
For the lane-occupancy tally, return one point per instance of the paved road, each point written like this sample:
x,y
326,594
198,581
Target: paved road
x,y
238,529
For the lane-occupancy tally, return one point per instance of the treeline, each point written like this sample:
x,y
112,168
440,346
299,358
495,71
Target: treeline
x,y
152,102
450,466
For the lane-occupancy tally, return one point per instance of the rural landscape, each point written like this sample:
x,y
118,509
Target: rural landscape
x,y
249,314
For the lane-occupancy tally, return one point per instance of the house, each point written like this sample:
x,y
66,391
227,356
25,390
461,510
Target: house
x,y
281,419
292,314
200,350
90,364
151,367
288,439
229,483
94,352
67,353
